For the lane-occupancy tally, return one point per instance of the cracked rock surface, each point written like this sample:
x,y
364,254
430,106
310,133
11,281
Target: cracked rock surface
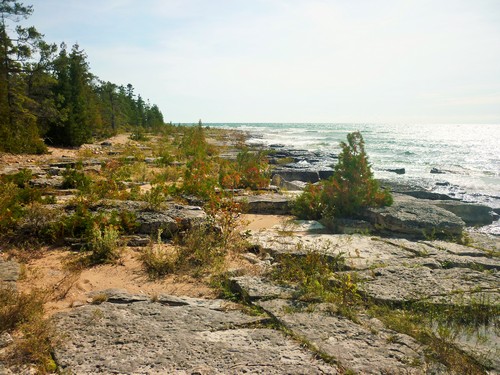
x,y
174,335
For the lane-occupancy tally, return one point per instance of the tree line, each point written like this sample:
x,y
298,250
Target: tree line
x,y
48,94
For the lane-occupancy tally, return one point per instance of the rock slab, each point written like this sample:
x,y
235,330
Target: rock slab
x,y
176,337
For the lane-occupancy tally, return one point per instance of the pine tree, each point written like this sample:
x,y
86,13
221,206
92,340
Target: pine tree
x,y
18,127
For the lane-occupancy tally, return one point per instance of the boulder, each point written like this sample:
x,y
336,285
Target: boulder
x,y
252,288
424,194
397,285
414,217
280,182
269,204
55,182
437,171
397,170
305,175
472,214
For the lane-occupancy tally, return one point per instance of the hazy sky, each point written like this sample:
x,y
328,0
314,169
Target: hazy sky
x,y
292,60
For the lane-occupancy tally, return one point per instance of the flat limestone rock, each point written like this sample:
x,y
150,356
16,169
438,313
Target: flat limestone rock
x,y
398,285
365,349
181,338
253,287
364,252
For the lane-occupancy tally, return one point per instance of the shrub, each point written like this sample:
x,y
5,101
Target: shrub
x,y
350,189
309,204
10,206
17,308
194,143
317,278
76,179
23,312
103,244
253,169
157,260
200,178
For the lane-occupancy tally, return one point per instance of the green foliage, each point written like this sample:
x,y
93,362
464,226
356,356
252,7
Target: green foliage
x,y
17,308
15,195
309,205
139,134
200,178
249,171
103,244
23,313
158,260
349,190
155,198
317,278
18,125
200,249
53,94
76,179
439,345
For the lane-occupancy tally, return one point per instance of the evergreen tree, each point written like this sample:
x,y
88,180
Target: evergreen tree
x,y
76,99
18,127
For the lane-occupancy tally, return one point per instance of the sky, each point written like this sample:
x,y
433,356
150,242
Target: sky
x,y
389,61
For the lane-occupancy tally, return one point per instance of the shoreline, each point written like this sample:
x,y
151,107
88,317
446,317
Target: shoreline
x,y
241,294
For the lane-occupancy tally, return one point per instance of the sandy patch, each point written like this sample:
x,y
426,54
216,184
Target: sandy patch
x,y
69,288
262,222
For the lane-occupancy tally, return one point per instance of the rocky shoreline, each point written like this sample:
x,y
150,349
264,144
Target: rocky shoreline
x,y
392,261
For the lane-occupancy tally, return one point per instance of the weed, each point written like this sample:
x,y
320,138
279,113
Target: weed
x,y
139,134
157,260
154,198
200,250
317,278
36,344
439,347
17,308
103,245
23,313
76,179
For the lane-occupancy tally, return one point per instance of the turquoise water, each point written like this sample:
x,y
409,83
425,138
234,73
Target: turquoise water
x,y
469,154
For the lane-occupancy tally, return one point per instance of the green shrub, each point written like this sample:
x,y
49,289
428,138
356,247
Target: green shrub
x,y
194,143
350,189
139,134
157,260
11,209
103,245
76,179
200,249
309,204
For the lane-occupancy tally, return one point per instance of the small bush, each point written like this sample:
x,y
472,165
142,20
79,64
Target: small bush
x,y
139,134
103,244
22,313
155,198
318,279
17,308
309,205
76,179
158,261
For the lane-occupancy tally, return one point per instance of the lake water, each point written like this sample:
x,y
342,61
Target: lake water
x,y
468,154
